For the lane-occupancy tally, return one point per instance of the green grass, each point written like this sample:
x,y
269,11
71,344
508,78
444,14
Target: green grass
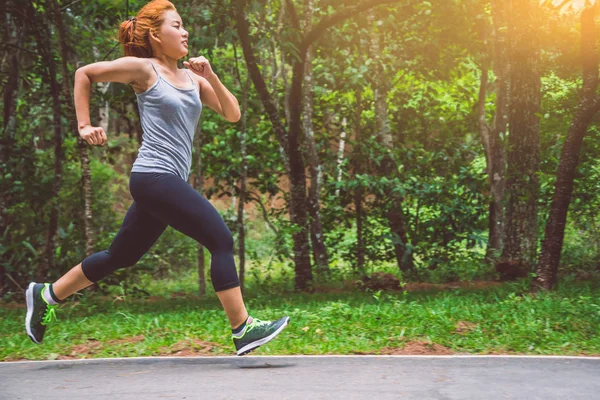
x,y
500,320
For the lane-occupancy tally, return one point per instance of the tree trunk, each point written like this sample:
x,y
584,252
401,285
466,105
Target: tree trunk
x,y
86,174
499,130
44,44
298,203
86,183
340,157
243,181
358,193
14,34
397,222
282,55
275,117
290,144
493,137
314,164
104,109
547,269
522,185
393,202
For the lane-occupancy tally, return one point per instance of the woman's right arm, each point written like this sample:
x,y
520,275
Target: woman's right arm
x,y
128,70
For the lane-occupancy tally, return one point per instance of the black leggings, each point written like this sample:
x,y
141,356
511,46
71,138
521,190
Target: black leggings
x,y
162,199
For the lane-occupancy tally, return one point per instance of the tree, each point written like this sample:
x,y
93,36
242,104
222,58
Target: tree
x,y
86,174
13,34
493,137
290,140
243,192
589,106
316,173
393,202
358,192
522,183
45,48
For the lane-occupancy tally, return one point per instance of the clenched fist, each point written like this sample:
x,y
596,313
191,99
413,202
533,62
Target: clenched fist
x,y
200,66
93,135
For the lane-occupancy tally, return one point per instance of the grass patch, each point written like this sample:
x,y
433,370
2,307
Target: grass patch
x,y
501,319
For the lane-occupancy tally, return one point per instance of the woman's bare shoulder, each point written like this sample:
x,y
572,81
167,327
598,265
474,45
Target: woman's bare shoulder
x,y
128,70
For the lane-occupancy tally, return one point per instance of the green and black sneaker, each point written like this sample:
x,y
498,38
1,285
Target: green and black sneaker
x,y
39,311
256,333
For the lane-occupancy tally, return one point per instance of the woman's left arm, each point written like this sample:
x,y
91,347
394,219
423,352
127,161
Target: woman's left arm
x,y
212,91
216,96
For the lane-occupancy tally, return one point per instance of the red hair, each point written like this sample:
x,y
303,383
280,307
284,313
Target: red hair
x,y
134,34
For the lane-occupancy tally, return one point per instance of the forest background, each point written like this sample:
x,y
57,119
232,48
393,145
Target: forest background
x,y
384,147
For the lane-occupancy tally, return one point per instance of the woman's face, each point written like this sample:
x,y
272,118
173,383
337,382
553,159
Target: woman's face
x,y
173,37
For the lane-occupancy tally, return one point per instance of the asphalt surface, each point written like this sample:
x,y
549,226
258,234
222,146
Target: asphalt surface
x,y
305,377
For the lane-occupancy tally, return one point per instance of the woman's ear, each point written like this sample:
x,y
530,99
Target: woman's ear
x,y
154,35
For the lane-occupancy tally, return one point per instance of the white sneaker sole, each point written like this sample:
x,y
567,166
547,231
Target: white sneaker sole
x,y
262,341
29,297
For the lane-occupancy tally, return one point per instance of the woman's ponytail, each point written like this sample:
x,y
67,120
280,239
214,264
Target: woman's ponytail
x,y
134,33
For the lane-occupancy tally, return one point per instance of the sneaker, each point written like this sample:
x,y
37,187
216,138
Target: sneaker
x,y
39,311
257,333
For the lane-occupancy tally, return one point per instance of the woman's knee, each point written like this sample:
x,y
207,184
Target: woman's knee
x,y
222,242
101,264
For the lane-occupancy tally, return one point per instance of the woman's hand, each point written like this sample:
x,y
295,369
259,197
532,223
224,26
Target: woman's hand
x,y
200,66
93,134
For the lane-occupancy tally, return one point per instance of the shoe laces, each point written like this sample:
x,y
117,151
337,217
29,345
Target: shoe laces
x,y
257,323
49,314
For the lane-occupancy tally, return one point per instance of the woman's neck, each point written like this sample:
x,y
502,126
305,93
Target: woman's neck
x,y
167,62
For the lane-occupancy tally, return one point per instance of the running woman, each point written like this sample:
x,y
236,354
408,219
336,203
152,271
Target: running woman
x,y
169,101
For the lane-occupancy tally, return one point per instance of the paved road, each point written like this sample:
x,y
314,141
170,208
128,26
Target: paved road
x,y
305,377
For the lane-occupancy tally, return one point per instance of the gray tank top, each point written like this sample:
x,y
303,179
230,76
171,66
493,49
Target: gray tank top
x,y
169,116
